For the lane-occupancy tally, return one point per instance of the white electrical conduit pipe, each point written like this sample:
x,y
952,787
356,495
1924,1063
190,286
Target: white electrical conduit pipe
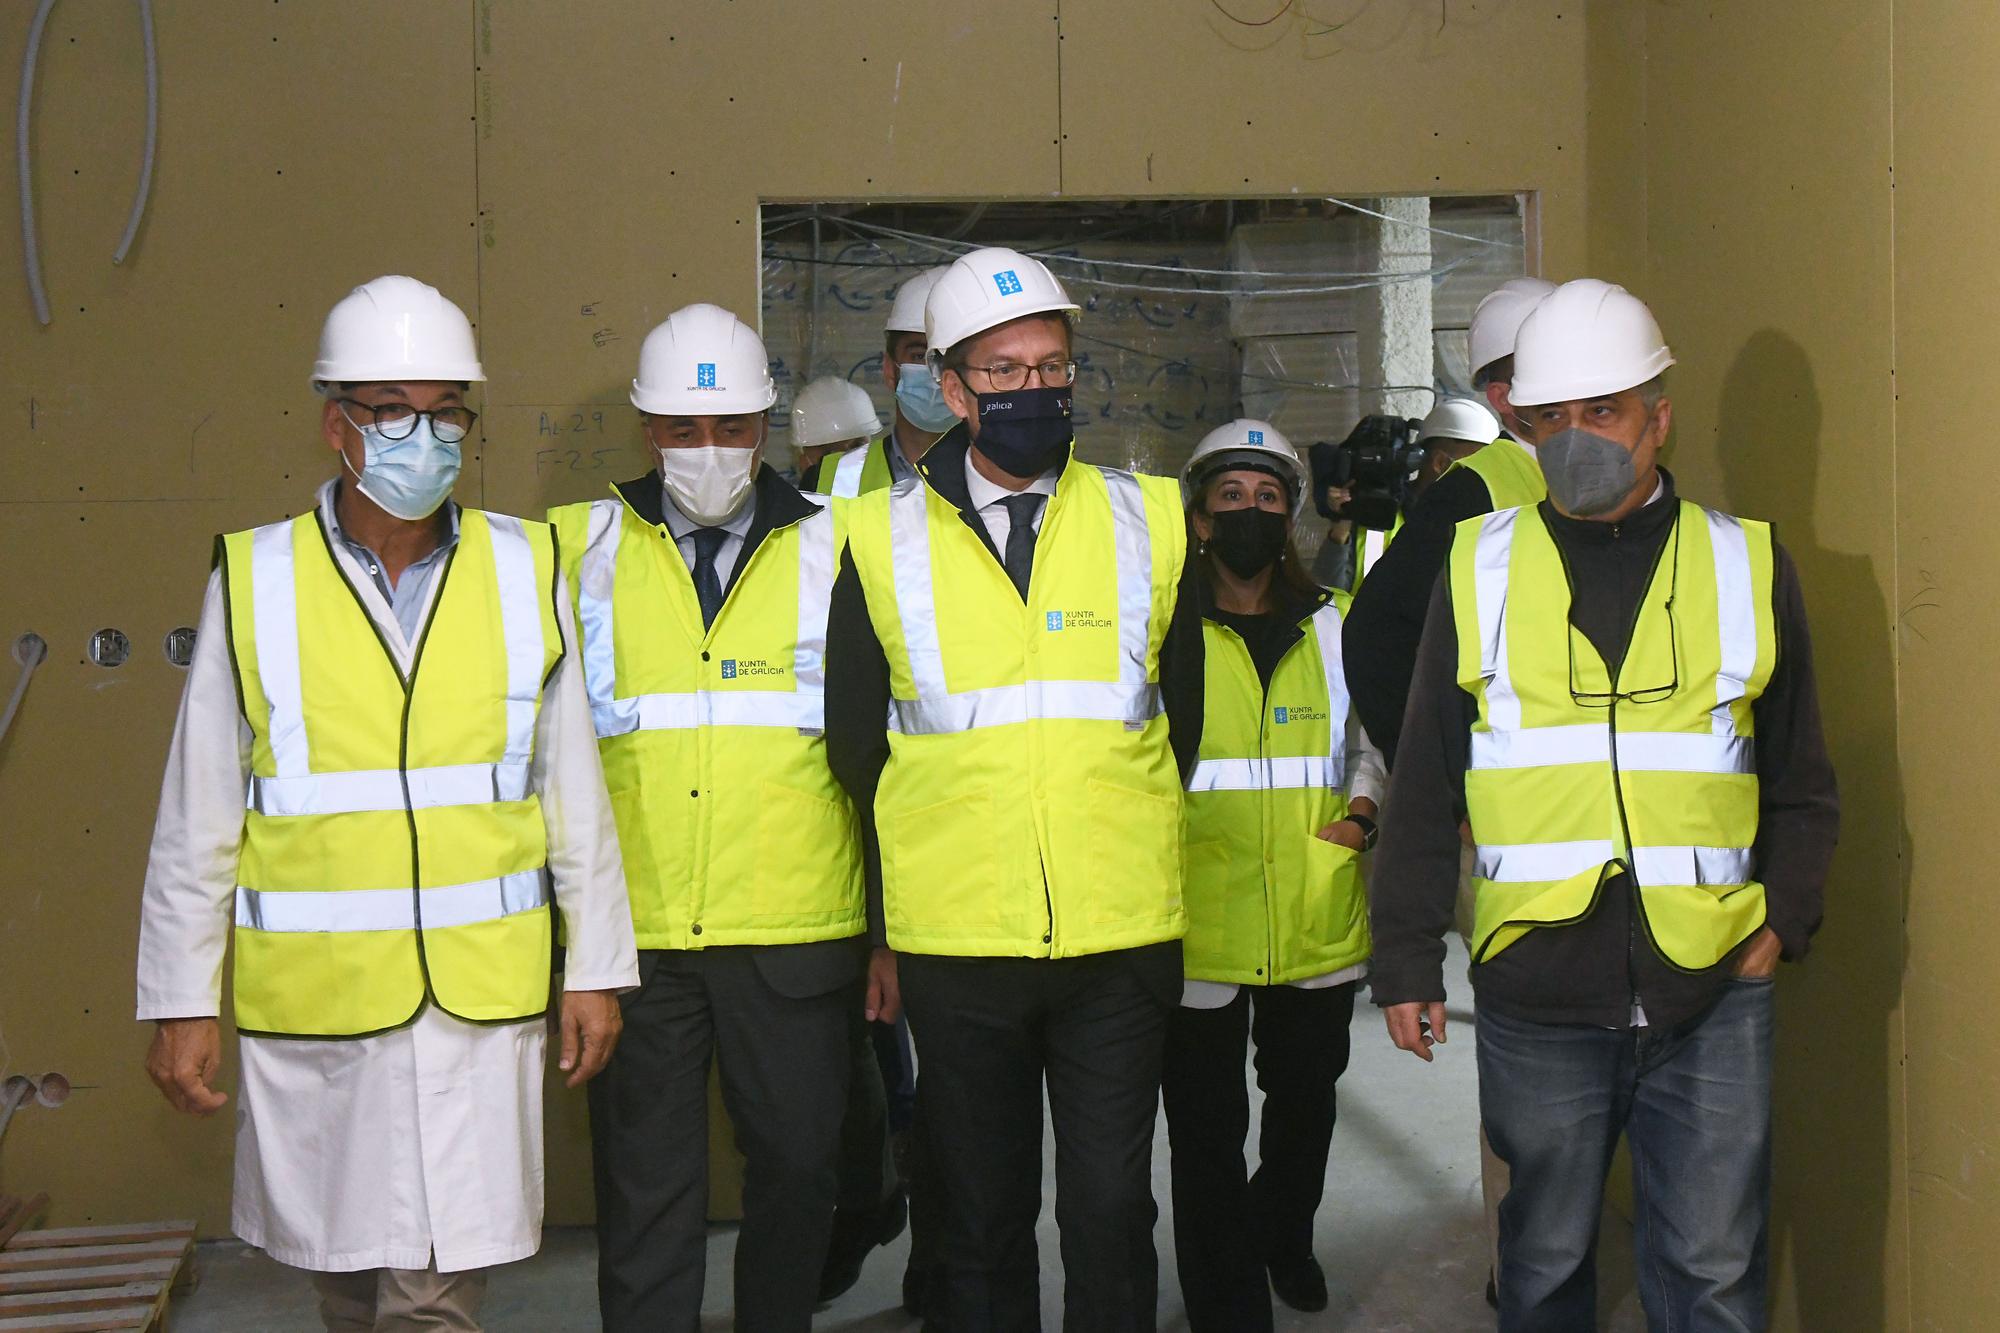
x,y
31,249
30,650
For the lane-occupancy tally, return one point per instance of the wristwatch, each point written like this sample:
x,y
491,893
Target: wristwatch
x,y
1370,830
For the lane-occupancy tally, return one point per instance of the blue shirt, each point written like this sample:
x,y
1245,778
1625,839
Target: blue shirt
x,y
407,597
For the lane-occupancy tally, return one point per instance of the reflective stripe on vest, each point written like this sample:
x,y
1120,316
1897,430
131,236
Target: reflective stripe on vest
x,y
303,911
802,708
1132,699
847,474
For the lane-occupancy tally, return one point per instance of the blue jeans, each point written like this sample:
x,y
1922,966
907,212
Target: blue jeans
x,y
1694,1102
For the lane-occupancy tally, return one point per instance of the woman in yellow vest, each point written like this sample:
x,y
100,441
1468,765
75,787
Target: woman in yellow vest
x,y
1279,809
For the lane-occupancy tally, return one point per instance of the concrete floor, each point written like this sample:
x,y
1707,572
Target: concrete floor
x,y
1400,1233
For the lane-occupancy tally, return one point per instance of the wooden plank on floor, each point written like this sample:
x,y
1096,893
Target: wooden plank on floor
x,y
101,1298
129,1233
86,1256
84,1321
101,1275
22,1213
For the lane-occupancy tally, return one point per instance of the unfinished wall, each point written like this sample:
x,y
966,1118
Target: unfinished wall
x,y
570,174
1947,623
1767,226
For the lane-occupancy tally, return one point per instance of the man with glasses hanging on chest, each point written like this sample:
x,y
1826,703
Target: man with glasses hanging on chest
x,y
383,767
1615,689
1017,618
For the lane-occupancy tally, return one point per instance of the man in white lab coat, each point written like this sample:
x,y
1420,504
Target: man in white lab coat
x,y
383,770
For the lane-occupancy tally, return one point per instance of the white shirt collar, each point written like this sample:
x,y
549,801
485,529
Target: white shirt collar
x,y
985,494
681,525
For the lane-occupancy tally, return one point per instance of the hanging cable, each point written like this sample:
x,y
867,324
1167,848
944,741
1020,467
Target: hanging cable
x,y
31,248
1366,284
145,189
1435,231
947,245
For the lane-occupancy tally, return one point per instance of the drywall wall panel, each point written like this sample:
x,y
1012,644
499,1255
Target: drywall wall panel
x,y
1948,632
302,149
1767,232
1353,97
624,149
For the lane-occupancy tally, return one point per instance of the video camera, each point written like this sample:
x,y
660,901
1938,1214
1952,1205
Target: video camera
x,y
1377,462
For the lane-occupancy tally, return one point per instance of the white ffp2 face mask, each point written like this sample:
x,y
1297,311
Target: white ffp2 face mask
x,y
709,483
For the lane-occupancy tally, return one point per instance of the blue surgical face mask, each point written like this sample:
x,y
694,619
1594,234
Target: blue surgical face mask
x,y
410,477
921,401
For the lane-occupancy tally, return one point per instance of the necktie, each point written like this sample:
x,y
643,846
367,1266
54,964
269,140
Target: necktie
x,y
1020,556
707,586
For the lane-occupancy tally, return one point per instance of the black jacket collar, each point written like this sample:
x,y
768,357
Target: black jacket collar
x,y
1294,607
1649,520
779,505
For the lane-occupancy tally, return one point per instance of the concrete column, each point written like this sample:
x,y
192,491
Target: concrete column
x,y
1395,323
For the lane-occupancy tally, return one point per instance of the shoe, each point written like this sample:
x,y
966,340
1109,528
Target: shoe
x,y
854,1235
1299,1283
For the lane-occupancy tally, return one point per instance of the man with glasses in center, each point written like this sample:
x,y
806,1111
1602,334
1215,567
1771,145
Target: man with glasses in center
x,y
1013,696
1615,691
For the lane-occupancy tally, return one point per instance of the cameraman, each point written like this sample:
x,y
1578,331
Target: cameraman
x,y
1387,619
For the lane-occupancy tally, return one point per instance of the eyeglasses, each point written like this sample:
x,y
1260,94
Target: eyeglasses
x,y
1651,694
398,421
1010,375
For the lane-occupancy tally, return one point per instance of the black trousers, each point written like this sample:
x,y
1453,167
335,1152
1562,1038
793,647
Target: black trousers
x,y
990,1032
784,1063
867,1170
1229,1224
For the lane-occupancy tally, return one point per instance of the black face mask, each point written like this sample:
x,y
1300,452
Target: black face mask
x,y
1248,541
1025,432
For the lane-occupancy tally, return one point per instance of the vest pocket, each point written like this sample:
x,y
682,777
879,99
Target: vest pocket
x,y
1135,845
1334,909
941,868
807,872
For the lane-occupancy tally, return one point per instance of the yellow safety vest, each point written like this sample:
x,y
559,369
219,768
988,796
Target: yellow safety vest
x,y
1512,476
732,827
1030,805
393,847
856,472
1267,900
1573,776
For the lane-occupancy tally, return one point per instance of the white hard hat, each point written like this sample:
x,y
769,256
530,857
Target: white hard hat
x,y
395,328
831,409
984,290
907,314
1460,419
1247,443
1588,339
703,362
1496,320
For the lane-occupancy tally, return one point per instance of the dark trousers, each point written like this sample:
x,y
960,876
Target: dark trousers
x,y
1694,1103
784,1063
1227,1223
990,1032
867,1170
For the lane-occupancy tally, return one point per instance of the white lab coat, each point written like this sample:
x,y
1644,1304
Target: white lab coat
x,y
419,1144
